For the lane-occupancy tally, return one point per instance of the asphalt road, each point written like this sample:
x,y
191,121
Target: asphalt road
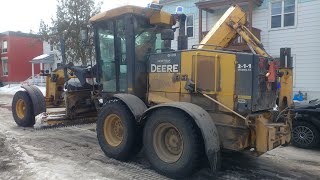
x,y
74,153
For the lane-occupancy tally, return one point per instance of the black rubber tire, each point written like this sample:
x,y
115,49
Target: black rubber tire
x,y
131,143
29,118
316,140
193,149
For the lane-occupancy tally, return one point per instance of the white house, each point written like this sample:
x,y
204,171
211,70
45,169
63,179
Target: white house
x,y
48,61
50,50
279,23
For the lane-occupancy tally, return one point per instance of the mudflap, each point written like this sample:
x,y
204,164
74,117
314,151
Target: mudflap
x,y
37,98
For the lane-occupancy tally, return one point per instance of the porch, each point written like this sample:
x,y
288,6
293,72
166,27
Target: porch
x,y
210,6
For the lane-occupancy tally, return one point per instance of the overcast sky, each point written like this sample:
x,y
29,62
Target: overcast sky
x,y
25,15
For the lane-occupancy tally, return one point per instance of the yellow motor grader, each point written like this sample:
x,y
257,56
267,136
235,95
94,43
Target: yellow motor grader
x,y
183,106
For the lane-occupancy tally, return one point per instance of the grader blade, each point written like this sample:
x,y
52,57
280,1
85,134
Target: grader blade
x,y
49,121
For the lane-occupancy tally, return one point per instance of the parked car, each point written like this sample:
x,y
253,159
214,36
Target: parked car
x,y
306,125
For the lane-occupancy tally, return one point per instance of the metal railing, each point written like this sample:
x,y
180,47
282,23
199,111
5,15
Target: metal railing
x,y
36,80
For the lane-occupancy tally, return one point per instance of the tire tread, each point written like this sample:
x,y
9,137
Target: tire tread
x,y
128,150
29,119
197,148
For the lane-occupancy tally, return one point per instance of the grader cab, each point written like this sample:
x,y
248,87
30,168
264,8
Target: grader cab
x,y
183,106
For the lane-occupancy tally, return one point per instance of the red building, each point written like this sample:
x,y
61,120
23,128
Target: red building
x,y
17,50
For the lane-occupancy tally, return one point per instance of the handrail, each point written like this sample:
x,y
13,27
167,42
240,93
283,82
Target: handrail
x,y
35,81
212,45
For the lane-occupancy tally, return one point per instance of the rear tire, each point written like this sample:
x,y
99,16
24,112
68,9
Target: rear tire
x,y
173,143
22,109
305,135
117,131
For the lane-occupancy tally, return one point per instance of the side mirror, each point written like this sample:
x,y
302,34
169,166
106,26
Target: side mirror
x,y
167,34
84,36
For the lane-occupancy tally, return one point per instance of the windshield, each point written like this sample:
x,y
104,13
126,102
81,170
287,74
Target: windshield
x,y
147,39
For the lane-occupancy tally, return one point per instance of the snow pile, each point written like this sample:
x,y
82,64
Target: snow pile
x,y
11,89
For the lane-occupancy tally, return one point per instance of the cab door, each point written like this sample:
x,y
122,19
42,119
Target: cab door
x,y
112,56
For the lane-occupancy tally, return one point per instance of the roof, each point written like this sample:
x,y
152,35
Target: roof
x,y
221,3
19,34
167,1
44,58
154,15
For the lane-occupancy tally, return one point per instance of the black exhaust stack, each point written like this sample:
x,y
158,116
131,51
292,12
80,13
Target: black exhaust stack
x,y
167,35
182,38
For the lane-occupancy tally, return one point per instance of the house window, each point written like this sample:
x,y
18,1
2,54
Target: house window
x,y
5,67
283,13
189,26
4,46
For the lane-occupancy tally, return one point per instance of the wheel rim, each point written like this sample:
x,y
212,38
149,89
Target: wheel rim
x,y
21,109
113,130
168,143
303,135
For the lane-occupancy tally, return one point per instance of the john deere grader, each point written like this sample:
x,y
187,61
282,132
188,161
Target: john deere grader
x,y
183,106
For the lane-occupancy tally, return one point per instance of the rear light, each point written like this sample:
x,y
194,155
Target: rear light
x,y
261,63
276,64
271,72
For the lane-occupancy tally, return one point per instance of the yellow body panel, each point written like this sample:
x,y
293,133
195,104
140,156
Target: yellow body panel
x,y
164,82
155,16
52,93
286,90
227,68
220,74
55,88
160,18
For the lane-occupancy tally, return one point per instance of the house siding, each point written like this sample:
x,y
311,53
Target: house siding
x,y
189,8
303,39
57,57
22,48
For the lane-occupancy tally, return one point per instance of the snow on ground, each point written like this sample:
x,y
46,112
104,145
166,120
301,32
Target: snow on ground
x,y
11,89
73,153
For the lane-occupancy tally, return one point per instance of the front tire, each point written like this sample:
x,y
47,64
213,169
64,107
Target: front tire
x,y
173,143
22,109
117,131
305,135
